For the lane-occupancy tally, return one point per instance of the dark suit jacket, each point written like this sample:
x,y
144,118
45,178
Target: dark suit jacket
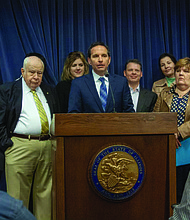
x,y
146,101
63,89
84,97
10,109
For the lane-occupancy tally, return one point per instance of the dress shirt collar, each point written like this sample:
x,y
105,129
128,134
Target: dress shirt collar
x,y
136,90
96,77
26,89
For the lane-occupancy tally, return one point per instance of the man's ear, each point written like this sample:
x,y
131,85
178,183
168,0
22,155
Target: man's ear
x,y
89,61
22,71
124,73
109,60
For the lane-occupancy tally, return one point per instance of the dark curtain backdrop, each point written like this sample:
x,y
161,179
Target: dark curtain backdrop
x,y
140,29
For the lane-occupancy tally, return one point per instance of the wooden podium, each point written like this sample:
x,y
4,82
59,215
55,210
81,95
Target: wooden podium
x,y
79,137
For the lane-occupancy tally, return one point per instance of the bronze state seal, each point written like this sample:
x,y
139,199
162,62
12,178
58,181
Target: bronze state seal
x,y
117,172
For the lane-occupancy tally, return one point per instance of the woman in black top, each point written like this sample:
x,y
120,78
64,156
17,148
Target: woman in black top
x,y
75,66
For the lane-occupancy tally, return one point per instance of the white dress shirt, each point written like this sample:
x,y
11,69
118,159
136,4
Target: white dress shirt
x,y
98,82
29,120
135,96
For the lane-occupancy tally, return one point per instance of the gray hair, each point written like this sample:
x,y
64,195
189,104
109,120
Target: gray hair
x,y
25,62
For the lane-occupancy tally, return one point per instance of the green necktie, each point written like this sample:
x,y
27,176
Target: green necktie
x,y
42,114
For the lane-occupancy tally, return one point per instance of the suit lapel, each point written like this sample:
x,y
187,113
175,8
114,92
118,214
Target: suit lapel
x,y
47,93
89,80
168,99
17,93
141,99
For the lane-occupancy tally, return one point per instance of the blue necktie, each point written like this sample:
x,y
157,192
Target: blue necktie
x,y
103,93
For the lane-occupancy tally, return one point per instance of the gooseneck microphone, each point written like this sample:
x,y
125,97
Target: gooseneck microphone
x,y
112,95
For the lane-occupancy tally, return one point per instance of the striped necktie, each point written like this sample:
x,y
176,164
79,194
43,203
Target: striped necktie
x,y
103,93
42,114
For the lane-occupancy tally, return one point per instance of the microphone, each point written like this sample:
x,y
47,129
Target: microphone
x,y
113,99
106,74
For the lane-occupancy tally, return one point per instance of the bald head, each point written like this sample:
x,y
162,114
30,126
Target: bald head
x,y
31,58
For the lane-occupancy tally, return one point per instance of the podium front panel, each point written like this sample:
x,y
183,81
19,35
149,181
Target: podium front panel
x,y
75,197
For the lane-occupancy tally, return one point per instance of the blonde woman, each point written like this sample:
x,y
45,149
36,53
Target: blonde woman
x,y
177,99
75,66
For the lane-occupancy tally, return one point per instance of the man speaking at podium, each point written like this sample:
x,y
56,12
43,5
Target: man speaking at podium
x,y
98,91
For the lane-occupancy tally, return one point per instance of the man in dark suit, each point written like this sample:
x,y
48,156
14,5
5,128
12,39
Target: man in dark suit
x,y
89,94
25,139
143,99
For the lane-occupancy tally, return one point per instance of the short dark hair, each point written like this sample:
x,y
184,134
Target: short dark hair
x,y
98,43
133,61
171,56
41,57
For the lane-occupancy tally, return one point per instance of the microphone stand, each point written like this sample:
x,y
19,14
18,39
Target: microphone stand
x,y
113,99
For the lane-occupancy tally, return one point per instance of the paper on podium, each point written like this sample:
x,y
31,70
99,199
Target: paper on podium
x,y
183,153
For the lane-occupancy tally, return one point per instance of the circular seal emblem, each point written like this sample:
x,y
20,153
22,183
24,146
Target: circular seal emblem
x,y
117,172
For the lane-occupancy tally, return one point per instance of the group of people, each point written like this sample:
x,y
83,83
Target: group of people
x,y
27,106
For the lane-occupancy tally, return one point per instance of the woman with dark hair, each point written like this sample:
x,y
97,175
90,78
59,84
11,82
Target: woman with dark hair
x,y
177,99
75,66
166,63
